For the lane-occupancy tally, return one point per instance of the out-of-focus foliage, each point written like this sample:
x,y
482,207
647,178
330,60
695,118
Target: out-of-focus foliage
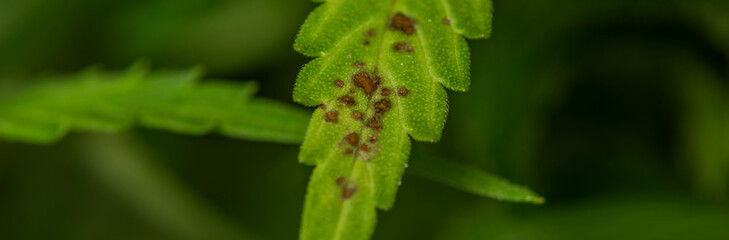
x,y
622,217
471,180
41,35
154,192
169,100
705,128
591,103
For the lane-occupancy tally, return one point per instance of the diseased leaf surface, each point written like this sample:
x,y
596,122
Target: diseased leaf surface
x,y
168,100
175,101
378,77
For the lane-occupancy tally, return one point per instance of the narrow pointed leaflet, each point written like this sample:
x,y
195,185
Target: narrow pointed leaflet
x,y
378,77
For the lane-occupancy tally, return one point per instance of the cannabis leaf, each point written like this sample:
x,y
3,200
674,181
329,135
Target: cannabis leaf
x,y
377,79
176,101
704,125
66,103
168,100
471,180
153,190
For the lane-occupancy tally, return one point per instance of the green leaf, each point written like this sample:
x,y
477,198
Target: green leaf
x,y
267,120
175,101
153,191
622,216
169,100
471,180
378,75
704,126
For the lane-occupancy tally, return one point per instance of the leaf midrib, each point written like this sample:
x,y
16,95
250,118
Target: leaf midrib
x,y
361,130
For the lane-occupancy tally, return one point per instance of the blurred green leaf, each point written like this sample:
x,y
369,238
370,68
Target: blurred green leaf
x,y
618,217
227,36
169,100
154,192
470,179
267,120
705,127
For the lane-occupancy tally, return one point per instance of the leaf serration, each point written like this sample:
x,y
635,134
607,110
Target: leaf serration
x,y
404,50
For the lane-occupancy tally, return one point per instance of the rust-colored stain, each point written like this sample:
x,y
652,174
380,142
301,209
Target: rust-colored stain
x,y
373,138
382,106
370,33
331,116
357,115
403,46
368,84
359,64
352,139
365,148
374,123
340,180
339,83
349,100
403,92
403,23
348,192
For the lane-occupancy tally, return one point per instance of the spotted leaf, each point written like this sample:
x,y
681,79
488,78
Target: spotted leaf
x,y
377,78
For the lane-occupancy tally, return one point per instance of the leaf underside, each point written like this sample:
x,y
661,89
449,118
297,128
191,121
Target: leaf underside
x,y
168,100
378,77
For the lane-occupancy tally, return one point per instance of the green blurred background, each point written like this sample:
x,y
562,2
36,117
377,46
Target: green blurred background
x,y
617,112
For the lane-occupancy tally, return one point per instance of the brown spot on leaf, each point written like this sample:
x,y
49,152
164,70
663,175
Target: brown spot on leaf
x,y
348,151
382,106
370,33
446,21
352,91
368,84
366,42
365,148
403,46
331,116
399,47
403,23
349,100
403,92
359,64
352,139
385,92
372,139
340,180
339,83
374,123
348,192
323,107
357,115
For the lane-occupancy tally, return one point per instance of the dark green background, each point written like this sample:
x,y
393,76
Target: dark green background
x,y
617,112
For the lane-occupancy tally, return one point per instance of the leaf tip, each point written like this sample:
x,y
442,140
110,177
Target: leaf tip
x,y
534,199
